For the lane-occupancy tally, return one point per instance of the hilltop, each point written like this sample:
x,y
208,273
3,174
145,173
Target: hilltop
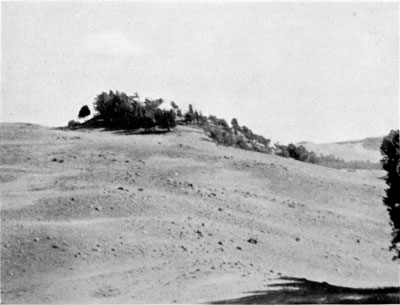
x,y
108,217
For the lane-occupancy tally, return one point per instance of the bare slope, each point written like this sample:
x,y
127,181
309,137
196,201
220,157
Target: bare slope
x,y
108,218
361,150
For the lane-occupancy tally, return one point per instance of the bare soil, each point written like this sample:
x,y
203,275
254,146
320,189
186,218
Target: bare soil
x,y
101,217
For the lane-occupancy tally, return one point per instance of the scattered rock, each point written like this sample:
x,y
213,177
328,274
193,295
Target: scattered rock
x,y
252,241
199,233
239,248
107,292
98,208
220,243
140,189
121,188
358,241
36,239
55,246
297,238
220,209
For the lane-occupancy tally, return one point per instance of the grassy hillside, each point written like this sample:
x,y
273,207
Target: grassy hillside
x,y
105,217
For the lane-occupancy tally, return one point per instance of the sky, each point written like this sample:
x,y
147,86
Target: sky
x,y
291,71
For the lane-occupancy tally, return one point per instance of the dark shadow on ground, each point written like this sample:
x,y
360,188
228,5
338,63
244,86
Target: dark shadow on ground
x,y
115,130
206,140
303,291
137,131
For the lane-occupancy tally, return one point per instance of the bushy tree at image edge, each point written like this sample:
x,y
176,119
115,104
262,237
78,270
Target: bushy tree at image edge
x,y
391,164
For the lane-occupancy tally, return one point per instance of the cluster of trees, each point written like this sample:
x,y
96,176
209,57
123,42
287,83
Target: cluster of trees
x,y
236,136
120,111
391,164
299,153
194,117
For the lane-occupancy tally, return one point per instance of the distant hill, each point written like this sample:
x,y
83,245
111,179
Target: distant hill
x,y
360,150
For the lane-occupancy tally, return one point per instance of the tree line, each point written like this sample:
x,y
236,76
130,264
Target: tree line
x,y
117,110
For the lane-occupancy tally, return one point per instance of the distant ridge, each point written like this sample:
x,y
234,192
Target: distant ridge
x,y
354,150
372,143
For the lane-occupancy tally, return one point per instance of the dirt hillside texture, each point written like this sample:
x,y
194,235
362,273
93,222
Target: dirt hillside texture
x,y
102,217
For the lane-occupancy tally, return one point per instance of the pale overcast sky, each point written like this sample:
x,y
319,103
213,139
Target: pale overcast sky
x,y
291,71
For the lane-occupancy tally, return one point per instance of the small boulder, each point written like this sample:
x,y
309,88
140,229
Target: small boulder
x,y
252,241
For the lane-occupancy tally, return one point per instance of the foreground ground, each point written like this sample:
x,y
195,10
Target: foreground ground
x,y
102,217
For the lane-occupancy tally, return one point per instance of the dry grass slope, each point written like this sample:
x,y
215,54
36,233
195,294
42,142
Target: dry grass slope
x,y
100,217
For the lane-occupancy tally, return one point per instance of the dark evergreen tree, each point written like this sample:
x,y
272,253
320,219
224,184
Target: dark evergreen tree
x,y
235,125
391,164
165,119
84,112
174,106
190,109
196,117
